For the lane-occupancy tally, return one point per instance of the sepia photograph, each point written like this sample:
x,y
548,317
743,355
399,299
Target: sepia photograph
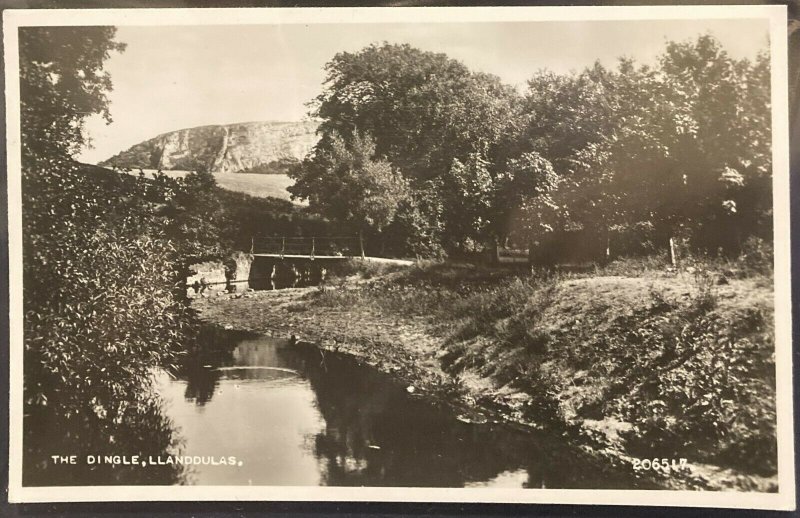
x,y
400,254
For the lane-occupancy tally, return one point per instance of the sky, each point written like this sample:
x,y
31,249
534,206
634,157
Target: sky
x,y
170,78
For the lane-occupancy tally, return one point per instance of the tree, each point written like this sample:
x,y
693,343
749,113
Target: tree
x,y
565,113
100,298
681,148
468,194
62,81
195,217
722,145
349,184
428,115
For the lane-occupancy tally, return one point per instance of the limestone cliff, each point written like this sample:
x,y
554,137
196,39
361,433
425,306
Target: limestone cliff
x,y
255,147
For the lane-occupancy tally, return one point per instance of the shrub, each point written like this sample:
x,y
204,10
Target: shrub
x,y
757,257
90,358
102,311
704,387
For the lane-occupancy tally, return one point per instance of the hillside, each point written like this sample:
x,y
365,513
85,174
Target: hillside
x,y
248,147
258,185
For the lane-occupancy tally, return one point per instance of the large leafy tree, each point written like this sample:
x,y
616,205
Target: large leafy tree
x,y
680,149
429,117
422,108
62,82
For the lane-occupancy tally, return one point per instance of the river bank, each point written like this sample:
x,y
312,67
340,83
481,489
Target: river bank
x,y
525,350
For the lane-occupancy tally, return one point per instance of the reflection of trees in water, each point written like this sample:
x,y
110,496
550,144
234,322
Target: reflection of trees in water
x,y
416,444
375,434
143,430
138,427
201,384
420,445
212,347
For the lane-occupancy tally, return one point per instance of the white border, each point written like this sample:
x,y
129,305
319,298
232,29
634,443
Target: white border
x,y
776,14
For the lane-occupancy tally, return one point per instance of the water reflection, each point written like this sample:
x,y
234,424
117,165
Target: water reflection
x,y
320,419
103,449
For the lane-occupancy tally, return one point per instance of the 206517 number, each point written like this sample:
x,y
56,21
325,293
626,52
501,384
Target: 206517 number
x,y
656,464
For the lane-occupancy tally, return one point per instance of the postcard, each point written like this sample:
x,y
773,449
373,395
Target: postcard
x,y
456,254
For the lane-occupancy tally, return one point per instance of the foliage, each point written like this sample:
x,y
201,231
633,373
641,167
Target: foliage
x,y
348,184
707,385
245,217
417,229
61,81
682,147
194,215
424,111
101,311
102,264
90,358
467,199
757,257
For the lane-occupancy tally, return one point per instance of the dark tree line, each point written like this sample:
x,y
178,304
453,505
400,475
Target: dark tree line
x,y
454,160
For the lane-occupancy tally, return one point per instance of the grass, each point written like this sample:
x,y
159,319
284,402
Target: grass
x,y
363,269
259,185
682,359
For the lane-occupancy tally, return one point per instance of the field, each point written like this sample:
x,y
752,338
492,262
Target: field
x,y
259,185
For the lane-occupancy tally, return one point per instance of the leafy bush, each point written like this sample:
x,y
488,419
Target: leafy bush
x,y
757,256
101,312
705,386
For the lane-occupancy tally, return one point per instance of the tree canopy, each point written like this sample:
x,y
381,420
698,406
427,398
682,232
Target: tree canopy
x,y
62,82
679,148
349,184
428,116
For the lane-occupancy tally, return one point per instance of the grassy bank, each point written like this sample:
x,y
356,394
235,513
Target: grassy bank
x,y
635,360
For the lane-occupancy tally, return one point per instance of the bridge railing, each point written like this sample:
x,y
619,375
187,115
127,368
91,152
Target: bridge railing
x,y
308,246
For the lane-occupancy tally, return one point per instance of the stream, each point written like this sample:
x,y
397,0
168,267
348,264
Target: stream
x,y
290,414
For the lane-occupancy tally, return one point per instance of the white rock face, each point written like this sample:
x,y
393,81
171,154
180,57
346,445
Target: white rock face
x,y
231,148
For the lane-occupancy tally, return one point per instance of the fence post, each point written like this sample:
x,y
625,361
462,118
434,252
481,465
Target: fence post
x,y
252,240
312,247
361,244
283,246
673,259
